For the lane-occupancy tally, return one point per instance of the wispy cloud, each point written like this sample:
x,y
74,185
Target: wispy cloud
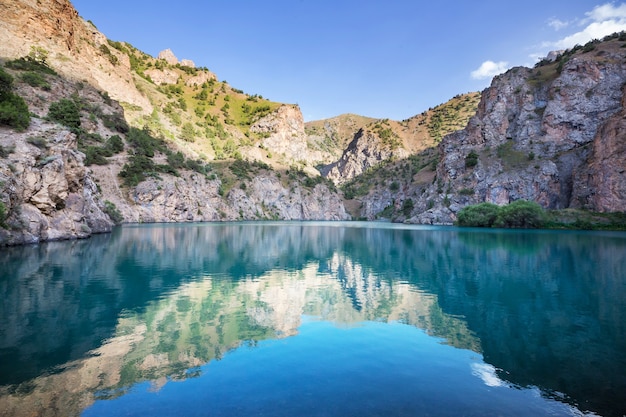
x,y
557,24
489,69
601,21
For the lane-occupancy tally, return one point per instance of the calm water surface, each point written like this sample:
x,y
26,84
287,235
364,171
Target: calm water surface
x,y
315,319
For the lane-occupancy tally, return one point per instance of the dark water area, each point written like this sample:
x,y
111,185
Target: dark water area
x,y
315,319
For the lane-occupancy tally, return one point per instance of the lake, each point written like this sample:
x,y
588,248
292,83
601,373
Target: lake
x,y
315,319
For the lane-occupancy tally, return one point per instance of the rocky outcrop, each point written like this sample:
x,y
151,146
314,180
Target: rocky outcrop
x,y
168,56
366,150
600,184
285,135
546,134
162,76
187,63
47,192
194,197
75,48
200,78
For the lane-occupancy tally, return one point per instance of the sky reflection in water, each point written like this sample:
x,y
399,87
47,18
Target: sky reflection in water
x,y
315,319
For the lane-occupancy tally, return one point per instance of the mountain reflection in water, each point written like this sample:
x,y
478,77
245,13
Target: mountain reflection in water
x,y
87,320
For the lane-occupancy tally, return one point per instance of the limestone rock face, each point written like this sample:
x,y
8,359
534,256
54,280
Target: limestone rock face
x,y
285,133
201,78
47,192
164,76
192,197
168,56
558,142
187,63
600,184
365,150
75,47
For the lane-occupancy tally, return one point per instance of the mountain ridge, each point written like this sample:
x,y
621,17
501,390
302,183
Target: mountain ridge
x,y
192,148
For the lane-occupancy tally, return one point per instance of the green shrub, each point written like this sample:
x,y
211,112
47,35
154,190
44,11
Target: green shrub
x,y
240,168
521,214
30,64
14,112
6,83
6,150
65,112
35,79
136,170
478,215
114,214
13,109
115,122
471,160
3,215
188,133
115,144
38,141
407,207
96,155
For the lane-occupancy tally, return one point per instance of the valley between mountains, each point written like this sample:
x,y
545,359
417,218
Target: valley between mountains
x,y
108,134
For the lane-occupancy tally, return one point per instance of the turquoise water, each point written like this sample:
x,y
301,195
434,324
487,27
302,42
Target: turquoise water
x,y
315,319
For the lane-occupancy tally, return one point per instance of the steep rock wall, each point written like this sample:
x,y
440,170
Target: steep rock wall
x,y
554,138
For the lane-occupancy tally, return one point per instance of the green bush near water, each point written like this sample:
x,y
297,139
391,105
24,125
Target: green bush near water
x,y
529,215
479,215
519,214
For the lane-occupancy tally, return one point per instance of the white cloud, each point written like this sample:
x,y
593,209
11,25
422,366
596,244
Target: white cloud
x,y
557,24
601,21
489,69
606,12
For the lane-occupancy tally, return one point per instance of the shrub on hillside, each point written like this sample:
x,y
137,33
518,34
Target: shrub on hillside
x,y
471,160
115,122
35,79
14,112
3,215
13,109
65,112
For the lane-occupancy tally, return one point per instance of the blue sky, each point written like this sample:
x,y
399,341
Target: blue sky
x,y
378,58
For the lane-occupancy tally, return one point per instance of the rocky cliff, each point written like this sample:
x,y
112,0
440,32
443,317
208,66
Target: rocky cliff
x,y
219,155
552,134
46,188
75,47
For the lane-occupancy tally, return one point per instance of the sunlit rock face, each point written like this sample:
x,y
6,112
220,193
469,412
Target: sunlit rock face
x,y
50,188
550,135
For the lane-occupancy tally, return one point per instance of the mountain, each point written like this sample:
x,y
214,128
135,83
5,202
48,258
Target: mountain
x,y
554,134
95,132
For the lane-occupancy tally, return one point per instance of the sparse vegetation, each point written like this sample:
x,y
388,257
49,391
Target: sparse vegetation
x,y
3,215
36,61
471,160
35,79
38,141
112,211
13,109
66,112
